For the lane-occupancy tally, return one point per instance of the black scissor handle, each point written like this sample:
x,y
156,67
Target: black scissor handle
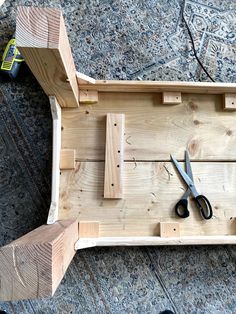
x,y
181,208
205,206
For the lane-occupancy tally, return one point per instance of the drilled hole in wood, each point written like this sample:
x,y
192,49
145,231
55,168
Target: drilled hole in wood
x,y
177,97
232,103
118,166
174,229
118,151
112,184
115,124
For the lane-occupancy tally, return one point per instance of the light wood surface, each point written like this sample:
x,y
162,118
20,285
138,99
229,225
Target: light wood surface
x,y
42,40
229,101
161,86
148,241
56,117
171,98
84,79
33,265
88,97
114,156
67,159
169,229
154,130
88,229
151,190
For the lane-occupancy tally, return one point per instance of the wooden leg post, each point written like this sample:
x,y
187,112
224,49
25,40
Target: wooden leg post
x,y
33,266
42,40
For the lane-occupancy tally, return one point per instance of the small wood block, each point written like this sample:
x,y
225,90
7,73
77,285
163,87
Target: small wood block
x,y
229,101
88,97
169,229
88,229
114,157
67,159
171,98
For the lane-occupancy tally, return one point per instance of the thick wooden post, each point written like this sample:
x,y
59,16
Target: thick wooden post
x,y
42,39
33,266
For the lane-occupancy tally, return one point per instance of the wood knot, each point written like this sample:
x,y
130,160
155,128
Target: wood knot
x,y
193,147
196,122
229,132
193,106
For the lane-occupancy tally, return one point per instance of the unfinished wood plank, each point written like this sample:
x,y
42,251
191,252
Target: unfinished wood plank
x,y
148,241
84,79
56,116
113,178
88,97
169,229
88,229
42,40
161,86
67,160
33,265
171,98
229,101
151,190
154,130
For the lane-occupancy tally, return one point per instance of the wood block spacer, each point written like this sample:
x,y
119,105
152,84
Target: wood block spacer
x,y
88,97
171,98
67,160
229,101
169,229
88,229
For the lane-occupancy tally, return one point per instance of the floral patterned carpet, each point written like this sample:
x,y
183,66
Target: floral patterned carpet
x,y
120,39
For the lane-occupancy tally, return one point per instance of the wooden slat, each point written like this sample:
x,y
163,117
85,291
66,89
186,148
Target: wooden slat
x,y
84,79
169,229
33,265
229,101
42,40
154,130
88,229
171,98
147,241
161,86
113,177
56,116
151,190
88,97
67,160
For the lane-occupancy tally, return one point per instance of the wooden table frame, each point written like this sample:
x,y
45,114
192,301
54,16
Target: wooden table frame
x,y
33,266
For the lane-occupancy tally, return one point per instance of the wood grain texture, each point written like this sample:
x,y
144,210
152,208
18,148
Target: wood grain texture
x,y
171,98
67,159
151,190
148,241
42,39
88,229
161,86
33,265
56,117
154,130
84,79
169,229
114,156
88,97
229,101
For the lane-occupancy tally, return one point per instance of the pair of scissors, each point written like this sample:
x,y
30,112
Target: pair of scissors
x,y
203,204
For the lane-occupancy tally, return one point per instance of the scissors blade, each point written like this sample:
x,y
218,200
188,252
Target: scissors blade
x,y
188,165
185,177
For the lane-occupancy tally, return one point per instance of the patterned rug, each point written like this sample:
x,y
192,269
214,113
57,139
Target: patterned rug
x,y
120,39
